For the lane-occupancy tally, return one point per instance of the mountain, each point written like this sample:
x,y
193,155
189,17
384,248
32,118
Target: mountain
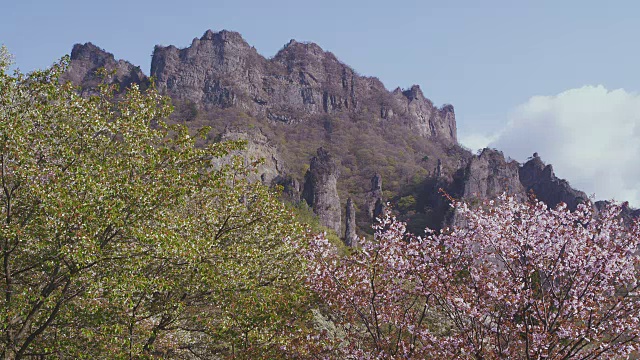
x,y
301,81
326,132
87,58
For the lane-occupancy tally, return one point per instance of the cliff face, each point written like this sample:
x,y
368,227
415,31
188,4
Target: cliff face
x,y
422,116
258,147
489,175
299,82
213,72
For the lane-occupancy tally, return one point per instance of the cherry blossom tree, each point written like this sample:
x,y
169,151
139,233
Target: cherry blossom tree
x,y
373,297
518,281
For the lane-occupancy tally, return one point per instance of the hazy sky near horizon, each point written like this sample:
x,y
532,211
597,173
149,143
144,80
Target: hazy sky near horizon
x,y
519,74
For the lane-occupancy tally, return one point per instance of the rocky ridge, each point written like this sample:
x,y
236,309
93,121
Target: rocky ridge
x,y
312,98
221,69
540,180
87,58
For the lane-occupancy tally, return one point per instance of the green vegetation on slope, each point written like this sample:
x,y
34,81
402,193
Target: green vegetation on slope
x,y
363,145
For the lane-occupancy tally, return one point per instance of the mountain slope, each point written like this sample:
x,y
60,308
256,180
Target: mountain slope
x,y
304,99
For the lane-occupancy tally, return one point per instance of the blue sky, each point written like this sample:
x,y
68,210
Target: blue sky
x,y
487,58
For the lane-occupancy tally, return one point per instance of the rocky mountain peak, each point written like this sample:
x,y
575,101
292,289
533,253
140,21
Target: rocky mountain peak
x,y
90,52
302,81
224,36
221,80
212,72
413,93
536,168
297,48
490,174
224,39
448,113
539,178
87,58
425,118
310,65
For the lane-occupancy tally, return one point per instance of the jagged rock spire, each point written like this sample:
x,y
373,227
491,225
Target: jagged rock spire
x,y
375,204
320,190
350,237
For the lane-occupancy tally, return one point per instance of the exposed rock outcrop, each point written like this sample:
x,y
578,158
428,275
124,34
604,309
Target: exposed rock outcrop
x,y
258,147
374,201
87,58
302,80
350,237
321,192
291,187
216,70
539,179
490,174
378,208
424,117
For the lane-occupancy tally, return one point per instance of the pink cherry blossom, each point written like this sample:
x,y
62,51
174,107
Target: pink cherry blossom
x,y
518,281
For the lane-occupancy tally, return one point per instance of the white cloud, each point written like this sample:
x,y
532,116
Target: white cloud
x,y
476,141
590,135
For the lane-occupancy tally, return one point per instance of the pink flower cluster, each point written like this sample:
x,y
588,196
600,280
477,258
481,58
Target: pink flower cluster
x,y
518,281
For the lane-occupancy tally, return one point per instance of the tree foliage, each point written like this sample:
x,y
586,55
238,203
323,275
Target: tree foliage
x,y
518,281
119,239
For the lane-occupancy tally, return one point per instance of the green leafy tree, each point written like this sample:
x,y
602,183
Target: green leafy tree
x,y
120,239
